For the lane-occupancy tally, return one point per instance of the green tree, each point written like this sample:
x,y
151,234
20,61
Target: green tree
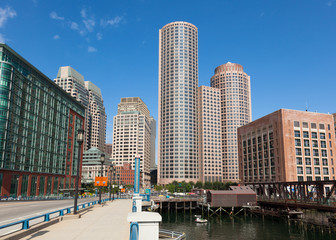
x,y
199,185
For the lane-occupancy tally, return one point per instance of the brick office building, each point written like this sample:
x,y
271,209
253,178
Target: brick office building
x,y
38,130
287,145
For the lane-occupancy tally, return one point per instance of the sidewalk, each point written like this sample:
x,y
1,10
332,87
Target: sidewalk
x,y
108,222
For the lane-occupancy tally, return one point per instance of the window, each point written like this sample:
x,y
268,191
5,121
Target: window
x,y
305,134
297,133
322,135
307,152
308,161
313,125
306,143
321,126
298,142
317,170
323,144
314,142
298,151
325,171
300,178
315,152
296,124
299,160
299,170
316,161
314,135
305,125
308,170
324,153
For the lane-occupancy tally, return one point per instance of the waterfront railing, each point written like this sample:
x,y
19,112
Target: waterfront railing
x,y
163,233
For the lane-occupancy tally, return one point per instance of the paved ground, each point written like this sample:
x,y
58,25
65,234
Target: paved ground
x,y
18,210
108,222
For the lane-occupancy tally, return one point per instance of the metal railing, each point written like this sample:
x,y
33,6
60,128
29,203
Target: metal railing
x,y
171,234
41,198
27,223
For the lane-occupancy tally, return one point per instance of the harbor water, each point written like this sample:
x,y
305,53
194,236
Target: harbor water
x,y
249,227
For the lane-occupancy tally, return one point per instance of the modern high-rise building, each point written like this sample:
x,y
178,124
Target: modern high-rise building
x,y
73,83
132,136
178,83
287,146
97,117
39,122
209,135
235,88
153,138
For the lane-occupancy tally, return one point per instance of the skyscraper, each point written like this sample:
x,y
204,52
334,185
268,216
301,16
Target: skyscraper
x,y
133,135
90,96
178,83
97,117
73,83
209,135
235,88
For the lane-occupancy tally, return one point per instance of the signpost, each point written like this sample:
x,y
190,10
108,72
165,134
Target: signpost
x,y
101,181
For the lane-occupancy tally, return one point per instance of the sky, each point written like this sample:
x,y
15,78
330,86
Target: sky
x,y
288,47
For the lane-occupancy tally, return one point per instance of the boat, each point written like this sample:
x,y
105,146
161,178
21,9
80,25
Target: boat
x,y
201,220
198,216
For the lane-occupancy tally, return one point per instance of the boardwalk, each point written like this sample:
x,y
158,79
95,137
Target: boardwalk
x,y
108,222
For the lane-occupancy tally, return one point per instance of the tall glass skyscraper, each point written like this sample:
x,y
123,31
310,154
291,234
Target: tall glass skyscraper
x,y
178,83
38,130
235,88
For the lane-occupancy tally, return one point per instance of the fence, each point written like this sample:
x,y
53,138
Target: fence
x,y
27,223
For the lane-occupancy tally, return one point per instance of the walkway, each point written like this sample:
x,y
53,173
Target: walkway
x,y
108,222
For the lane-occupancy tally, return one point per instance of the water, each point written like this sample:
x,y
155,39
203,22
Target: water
x,y
241,228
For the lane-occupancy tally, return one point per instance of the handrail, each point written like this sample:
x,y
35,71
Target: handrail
x,y
172,234
25,222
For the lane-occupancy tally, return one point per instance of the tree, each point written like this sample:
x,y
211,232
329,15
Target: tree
x,y
199,185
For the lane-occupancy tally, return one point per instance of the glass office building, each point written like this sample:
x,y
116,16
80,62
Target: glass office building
x,y
38,130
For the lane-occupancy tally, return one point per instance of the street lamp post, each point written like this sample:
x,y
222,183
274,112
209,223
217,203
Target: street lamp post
x,y
114,172
111,170
80,137
102,160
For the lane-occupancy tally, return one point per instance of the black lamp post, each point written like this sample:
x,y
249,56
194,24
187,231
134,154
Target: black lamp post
x,y
102,160
80,137
114,172
111,170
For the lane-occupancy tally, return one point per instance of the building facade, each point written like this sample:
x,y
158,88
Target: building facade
x,y
235,88
38,128
73,83
178,83
92,166
90,96
97,117
287,145
210,139
132,135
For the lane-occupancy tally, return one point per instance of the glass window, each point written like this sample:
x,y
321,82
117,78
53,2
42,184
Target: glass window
x,y
299,170
313,125
308,161
308,170
314,135
325,171
305,134
321,126
314,142
307,152
305,125
315,152
297,133
298,142
322,135
298,151
309,178
299,160
323,144
306,143
296,124
324,153
316,161
317,170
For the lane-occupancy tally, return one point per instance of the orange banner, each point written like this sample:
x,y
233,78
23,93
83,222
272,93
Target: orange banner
x,y
101,181
122,190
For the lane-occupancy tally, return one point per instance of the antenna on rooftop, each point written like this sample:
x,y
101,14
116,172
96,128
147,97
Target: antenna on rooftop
x,y
306,106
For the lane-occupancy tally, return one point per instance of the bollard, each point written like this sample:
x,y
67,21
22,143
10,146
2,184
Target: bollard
x,y
25,224
47,218
61,213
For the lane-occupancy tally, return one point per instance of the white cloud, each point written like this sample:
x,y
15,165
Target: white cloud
x,y
112,22
74,26
53,15
83,13
330,3
89,24
99,36
56,37
2,38
6,13
91,49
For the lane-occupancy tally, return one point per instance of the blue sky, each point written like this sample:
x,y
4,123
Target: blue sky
x,y
288,47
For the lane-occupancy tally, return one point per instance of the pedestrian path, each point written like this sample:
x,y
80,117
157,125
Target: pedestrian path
x,y
108,222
